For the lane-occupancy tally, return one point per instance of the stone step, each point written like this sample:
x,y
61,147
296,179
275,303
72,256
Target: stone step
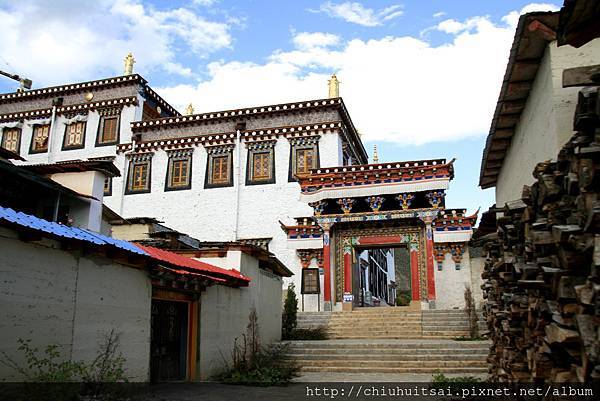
x,y
463,370
350,363
399,358
390,352
430,344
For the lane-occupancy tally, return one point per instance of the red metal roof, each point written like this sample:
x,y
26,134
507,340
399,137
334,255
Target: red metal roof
x,y
194,265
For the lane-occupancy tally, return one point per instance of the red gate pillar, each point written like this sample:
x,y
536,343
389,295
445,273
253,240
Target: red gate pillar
x,y
326,270
348,298
430,270
414,272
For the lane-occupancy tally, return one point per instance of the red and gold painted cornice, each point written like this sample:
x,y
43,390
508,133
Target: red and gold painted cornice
x,y
369,174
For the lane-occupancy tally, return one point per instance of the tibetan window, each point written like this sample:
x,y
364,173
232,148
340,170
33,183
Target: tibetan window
x,y
304,156
179,170
39,139
310,281
219,166
138,177
108,129
11,139
74,135
108,186
261,163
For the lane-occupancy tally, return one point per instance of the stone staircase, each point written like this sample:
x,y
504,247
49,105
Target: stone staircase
x,y
391,323
390,356
390,340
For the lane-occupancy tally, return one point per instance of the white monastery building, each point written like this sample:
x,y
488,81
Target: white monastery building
x,y
291,177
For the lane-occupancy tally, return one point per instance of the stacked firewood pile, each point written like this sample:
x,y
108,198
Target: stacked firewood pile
x,y
543,271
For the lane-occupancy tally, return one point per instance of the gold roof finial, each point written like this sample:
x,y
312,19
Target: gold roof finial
x,y
375,155
334,87
189,110
129,62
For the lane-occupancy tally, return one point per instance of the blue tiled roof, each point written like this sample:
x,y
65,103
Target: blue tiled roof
x,y
35,223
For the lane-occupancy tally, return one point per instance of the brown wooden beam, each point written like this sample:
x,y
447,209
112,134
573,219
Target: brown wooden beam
x,y
581,76
499,144
544,30
503,133
512,106
507,121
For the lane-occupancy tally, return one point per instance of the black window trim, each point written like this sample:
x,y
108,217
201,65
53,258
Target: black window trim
x,y
20,137
74,147
33,127
296,144
218,151
177,155
108,113
256,148
135,160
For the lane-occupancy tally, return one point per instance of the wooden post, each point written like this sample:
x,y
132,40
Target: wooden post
x,y
429,255
326,269
414,272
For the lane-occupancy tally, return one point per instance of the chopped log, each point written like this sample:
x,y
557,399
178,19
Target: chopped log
x,y
557,334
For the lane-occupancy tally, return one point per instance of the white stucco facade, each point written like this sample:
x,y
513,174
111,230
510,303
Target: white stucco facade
x,y
224,312
57,297
546,122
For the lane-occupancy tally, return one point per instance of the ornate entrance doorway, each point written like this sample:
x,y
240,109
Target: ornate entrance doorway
x,y
348,242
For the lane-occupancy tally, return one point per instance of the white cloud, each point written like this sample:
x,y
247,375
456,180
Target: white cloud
x,y
358,14
311,40
398,89
71,40
439,14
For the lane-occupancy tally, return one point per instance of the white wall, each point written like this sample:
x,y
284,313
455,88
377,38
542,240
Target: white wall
x,y
55,297
546,123
450,283
224,315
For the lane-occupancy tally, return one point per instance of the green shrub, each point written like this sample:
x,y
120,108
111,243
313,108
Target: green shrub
x,y
290,313
56,377
403,298
317,333
442,378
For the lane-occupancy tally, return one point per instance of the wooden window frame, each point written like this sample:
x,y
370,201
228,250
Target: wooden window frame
x,y
33,132
19,132
80,145
208,181
99,134
108,192
250,179
129,189
169,186
305,275
294,148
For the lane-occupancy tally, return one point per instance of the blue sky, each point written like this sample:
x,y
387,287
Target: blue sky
x,y
420,78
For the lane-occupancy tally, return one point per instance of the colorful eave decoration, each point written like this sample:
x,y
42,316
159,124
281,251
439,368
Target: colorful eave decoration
x,y
454,220
376,174
302,231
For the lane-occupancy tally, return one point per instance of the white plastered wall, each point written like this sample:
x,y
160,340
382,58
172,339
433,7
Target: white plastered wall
x,y
55,297
450,283
224,313
546,122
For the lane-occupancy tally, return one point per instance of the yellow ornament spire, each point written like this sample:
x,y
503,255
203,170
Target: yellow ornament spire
x,y
129,62
375,155
334,87
189,110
